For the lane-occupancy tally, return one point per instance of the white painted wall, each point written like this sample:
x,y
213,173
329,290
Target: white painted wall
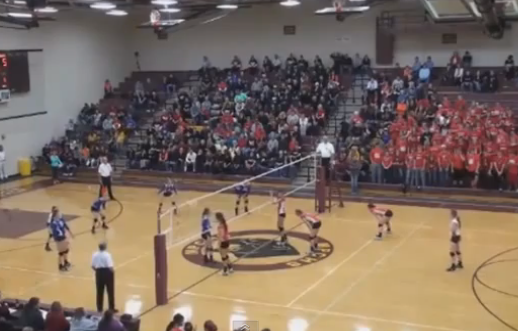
x,y
81,50
258,31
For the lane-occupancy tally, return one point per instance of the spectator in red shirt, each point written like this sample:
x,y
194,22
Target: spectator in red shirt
x,y
473,166
512,171
420,168
376,157
387,161
410,169
459,167
497,169
55,319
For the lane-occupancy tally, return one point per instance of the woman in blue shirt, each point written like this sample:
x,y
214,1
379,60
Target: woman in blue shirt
x,y
55,164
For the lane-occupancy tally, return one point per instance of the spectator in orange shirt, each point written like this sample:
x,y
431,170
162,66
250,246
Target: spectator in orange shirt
x,y
444,160
376,156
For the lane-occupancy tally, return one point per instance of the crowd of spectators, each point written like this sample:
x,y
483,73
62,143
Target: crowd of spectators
x,y
92,135
459,72
405,134
243,119
30,316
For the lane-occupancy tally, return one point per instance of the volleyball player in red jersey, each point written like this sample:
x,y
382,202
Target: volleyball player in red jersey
x,y
280,200
224,243
314,224
383,216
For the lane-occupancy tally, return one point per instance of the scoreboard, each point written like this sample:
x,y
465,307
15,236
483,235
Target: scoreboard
x,y
4,69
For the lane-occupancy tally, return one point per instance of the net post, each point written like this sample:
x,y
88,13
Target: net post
x,y
321,189
160,269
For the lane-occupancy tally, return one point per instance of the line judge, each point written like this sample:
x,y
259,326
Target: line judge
x,y
326,150
102,264
105,173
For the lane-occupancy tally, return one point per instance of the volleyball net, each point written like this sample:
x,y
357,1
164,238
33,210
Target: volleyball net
x,y
183,228
185,223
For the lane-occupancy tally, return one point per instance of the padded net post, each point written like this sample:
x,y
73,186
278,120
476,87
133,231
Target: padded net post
x,y
160,269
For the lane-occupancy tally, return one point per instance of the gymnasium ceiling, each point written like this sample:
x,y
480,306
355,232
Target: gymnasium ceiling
x,y
465,9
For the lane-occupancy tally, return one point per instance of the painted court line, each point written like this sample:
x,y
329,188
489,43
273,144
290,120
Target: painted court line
x,y
329,273
321,312
364,276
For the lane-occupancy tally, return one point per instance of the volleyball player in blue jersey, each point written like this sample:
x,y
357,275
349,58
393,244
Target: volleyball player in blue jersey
x,y
59,229
167,191
242,191
206,235
97,206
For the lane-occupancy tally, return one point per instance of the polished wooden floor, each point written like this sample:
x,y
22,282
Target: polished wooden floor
x,y
399,283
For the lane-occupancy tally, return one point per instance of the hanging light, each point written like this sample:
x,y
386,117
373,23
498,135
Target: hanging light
x,y
46,10
103,6
170,10
164,2
20,15
290,3
116,12
228,7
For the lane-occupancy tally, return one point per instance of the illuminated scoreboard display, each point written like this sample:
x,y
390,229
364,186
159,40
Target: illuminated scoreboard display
x,y
4,69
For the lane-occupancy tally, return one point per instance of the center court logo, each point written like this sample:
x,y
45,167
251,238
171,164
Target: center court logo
x,y
257,245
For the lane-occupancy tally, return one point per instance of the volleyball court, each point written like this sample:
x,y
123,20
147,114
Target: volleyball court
x,y
183,227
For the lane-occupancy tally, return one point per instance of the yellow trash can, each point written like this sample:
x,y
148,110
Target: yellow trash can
x,y
24,167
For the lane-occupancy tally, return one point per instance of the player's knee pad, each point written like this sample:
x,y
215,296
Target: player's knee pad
x,y
312,237
65,252
281,229
452,254
224,258
173,203
246,201
50,236
457,252
103,217
380,225
238,202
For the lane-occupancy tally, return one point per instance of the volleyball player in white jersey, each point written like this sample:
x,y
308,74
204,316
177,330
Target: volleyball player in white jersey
x,y
383,216
314,224
280,200
455,238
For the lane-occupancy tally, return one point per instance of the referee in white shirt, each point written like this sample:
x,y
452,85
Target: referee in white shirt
x,y
326,150
102,264
105,173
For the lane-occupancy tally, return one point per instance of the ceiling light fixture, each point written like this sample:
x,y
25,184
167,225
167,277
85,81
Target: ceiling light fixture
x,y
20,15
170,10
117,12
103,6
20,2
228,7
164,2
290,3
46,10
